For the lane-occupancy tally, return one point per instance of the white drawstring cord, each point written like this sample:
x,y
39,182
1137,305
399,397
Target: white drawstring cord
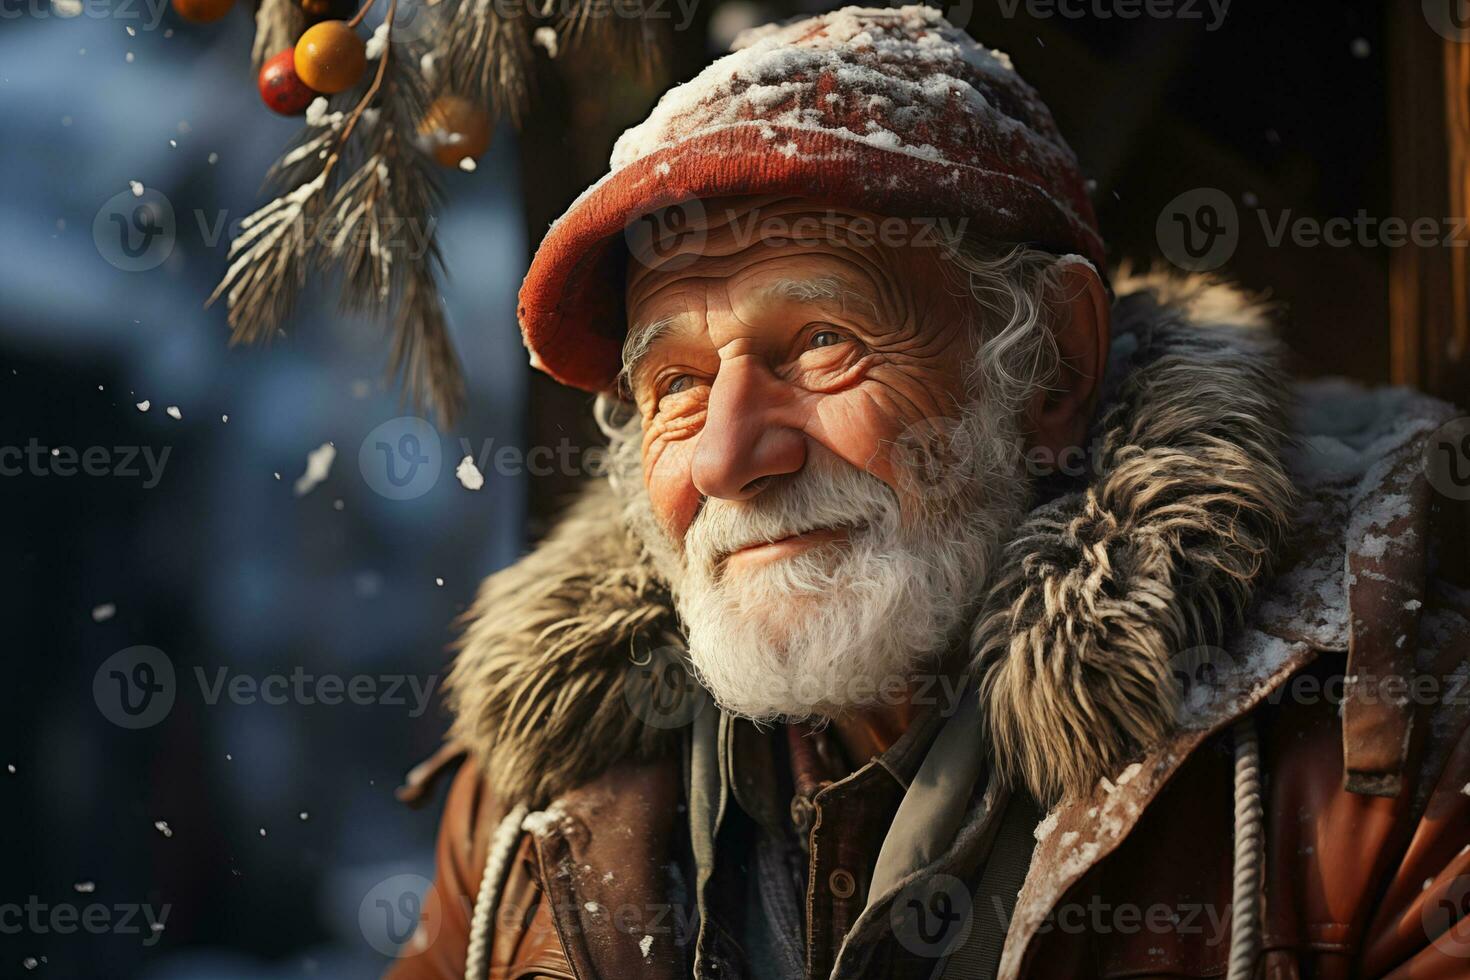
x,y
497,862
1245,900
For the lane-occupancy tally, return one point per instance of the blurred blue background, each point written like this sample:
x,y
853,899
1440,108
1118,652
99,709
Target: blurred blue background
x,y
221,564
281,821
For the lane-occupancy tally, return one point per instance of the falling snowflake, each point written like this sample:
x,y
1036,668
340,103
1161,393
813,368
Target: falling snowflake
x,y
469,475
318,465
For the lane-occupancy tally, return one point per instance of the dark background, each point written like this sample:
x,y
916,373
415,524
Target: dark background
x,y
221,565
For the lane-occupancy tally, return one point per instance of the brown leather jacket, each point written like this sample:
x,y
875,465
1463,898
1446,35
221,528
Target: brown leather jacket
x,y
1350,666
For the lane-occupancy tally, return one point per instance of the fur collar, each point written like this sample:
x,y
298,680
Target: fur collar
x,y
1156,551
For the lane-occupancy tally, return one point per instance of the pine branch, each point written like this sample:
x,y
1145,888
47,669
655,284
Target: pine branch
x,y
268,263
377,224
382,237
485,57
605,29
423,355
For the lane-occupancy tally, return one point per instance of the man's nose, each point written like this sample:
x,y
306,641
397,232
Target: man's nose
x,y
749,433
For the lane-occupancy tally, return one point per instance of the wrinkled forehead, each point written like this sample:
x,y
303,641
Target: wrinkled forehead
x,y
768,248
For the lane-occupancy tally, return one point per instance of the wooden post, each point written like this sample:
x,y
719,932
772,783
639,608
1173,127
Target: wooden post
x,y
1429,126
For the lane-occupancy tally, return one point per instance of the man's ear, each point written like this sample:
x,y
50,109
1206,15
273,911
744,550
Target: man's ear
x,y
1059,416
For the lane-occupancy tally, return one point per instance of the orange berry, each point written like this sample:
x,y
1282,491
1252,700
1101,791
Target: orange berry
x,y
455,128
331,57
202,11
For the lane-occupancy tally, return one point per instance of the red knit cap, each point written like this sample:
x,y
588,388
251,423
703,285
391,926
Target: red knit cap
x,y
890,111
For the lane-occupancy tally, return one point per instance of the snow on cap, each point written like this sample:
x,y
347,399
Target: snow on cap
x,y
891,111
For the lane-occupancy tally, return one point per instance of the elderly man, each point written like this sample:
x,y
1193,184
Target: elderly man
x,y
948,610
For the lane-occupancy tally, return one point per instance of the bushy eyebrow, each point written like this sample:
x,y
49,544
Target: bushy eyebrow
x,y
820,288
642,337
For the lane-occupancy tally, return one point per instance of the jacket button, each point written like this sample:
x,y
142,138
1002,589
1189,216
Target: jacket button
x,y
842,883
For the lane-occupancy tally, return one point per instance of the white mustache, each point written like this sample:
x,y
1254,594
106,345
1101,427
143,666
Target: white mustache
x,y
831,494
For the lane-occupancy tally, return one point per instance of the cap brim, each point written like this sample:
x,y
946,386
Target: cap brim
x,y
571,306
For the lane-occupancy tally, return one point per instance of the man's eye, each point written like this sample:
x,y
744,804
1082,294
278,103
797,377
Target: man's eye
x,y
678,383
825,338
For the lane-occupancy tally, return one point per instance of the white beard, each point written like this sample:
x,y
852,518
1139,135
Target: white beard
x,y
842,625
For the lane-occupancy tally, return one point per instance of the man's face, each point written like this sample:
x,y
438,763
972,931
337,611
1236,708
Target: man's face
x,y
783,386
768,353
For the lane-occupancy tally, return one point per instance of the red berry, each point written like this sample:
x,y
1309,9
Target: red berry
x,y
281,88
